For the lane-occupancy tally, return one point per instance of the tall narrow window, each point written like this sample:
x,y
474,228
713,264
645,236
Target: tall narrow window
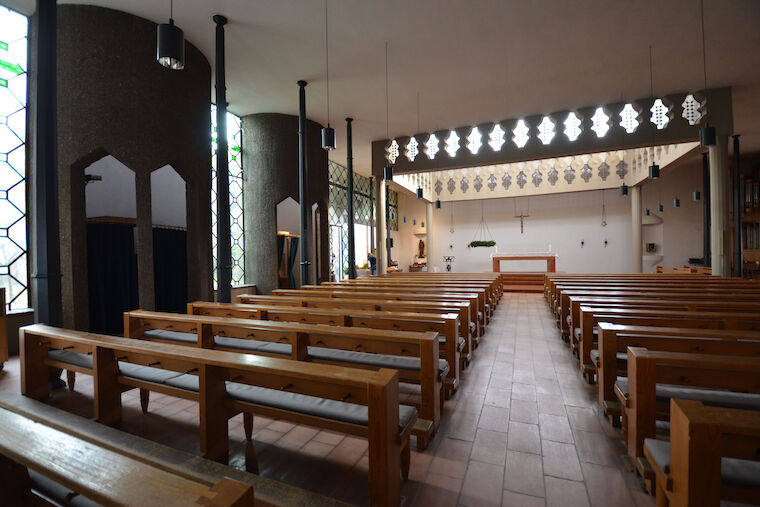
x,y
235,161
14,276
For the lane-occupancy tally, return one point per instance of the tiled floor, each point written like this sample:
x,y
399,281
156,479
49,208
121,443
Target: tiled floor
x,y
523,430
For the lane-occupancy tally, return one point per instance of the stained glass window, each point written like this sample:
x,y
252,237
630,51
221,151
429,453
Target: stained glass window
x,y
14,275
235,161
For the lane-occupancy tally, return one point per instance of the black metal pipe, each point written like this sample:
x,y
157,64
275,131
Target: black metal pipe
x,y
706,248
350,193
387,224
46,278
737,194
223,235
303,182
371,214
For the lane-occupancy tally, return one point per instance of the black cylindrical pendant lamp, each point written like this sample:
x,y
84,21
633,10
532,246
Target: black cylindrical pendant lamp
x,y
676,202
388,173
648,212
419,193
654,171
707,136
170,46
438,204
696,195
623,189
660,208
328,138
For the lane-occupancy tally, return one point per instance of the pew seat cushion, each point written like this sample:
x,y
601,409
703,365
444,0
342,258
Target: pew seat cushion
x,y
473,327
57,492
737,472
621,356
711,397
147,373
253,345
69,357
312,405
460,342
577,332
174,336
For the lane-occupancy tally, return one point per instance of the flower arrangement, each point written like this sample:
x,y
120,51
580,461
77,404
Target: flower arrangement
x,y
474,244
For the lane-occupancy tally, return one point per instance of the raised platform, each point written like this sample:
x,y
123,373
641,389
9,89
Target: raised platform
x,y
523,281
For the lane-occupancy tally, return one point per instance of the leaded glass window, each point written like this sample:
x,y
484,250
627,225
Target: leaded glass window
x,y
13,76
235,162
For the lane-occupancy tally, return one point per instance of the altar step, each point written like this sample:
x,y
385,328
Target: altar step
x,y
523,281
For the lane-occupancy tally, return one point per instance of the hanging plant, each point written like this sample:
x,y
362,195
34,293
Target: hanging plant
x,y
475,244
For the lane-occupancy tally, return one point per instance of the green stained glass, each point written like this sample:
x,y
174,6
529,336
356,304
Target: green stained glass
x,y
11,67
4,46
4,82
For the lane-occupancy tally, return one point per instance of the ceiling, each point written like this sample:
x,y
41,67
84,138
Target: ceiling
x,y
471,62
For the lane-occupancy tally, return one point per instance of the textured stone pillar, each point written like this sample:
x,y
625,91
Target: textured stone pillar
x,y
636,245
380,227
431,260
719,207
270,159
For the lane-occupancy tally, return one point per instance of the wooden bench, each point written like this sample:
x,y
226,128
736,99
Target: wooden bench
x,y
349,400
716,380
614,339
451,345
414,355
64,467
178,463
712,455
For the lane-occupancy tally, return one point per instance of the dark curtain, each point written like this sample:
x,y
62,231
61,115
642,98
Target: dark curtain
x,y
112,275
170,269
293,255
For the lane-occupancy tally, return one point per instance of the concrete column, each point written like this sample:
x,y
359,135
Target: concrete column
x,y
380,228
431,260
719,206
636,245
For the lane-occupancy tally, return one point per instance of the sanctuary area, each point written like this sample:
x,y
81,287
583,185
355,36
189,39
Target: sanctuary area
x,y
388,253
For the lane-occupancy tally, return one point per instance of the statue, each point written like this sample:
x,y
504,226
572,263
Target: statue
x,y
421,247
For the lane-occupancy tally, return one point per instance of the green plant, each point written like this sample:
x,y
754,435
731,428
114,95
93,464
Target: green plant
x,y
364,266
474,244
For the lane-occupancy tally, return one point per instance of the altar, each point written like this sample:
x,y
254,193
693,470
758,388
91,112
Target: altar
x,y
549,257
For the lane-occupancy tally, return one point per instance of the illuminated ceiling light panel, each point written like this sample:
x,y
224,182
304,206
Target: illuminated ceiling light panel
x,y
660,116
572,126
474,141
546,130
691,110
412,149
452,144
392,152
629,119
600,122
496,137
520,134
431,146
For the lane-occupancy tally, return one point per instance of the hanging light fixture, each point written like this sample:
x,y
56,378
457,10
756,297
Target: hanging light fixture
x,y
604,212
170,43
676,202
660,208
419,188
328,133
707,133
437,204
696,196
648,212
623,189
654,169
388,170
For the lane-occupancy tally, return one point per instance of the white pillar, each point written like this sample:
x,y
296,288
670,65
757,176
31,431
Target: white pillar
x,y
636,244
431,260
381,233
720,235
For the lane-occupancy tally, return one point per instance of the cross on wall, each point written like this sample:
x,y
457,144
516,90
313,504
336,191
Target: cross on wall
x,y
522,216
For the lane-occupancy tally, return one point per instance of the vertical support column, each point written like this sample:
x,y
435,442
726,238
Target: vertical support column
x,y
429,236
303,183
636,244
371,213
350,203
387,192
146,289
719,229
46,254
706,254
381,230
223,236
736,191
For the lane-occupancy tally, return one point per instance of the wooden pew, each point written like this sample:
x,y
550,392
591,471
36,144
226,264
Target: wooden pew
x,y
476,315
712,455
451,346
62,462
379,305
295,341
614,340
269,493
590,316
551,279
665,374
227,383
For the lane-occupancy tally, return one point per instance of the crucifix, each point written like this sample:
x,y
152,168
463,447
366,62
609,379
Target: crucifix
x,y
521,216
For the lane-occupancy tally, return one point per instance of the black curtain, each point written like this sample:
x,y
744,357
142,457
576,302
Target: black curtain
x,y
112,275
170,269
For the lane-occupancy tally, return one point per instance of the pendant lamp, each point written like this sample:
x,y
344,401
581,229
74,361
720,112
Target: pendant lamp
x,y
170,43
328,133
623,189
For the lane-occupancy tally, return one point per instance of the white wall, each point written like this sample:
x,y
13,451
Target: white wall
x,y
114,196
167,198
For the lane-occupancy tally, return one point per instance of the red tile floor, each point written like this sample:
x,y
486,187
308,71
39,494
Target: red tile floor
x,y
523,430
